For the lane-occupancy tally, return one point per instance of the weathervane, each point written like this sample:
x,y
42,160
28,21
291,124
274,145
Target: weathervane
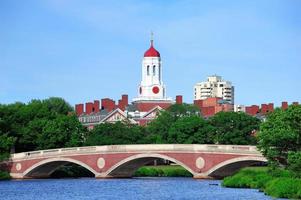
x,y
152,38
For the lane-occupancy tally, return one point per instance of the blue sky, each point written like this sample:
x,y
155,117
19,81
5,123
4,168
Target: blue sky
x,y
86,50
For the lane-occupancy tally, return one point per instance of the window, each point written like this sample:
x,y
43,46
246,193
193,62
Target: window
x,y
148,70
154,70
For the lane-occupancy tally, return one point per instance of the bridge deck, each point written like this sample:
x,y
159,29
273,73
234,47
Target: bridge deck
x,y
141,148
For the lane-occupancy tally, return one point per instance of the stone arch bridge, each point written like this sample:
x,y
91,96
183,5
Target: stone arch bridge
x,y
202,161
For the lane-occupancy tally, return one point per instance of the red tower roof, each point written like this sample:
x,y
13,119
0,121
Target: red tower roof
x,y
152,52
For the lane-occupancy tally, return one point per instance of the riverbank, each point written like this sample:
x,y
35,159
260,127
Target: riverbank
x,y
162,171
276,183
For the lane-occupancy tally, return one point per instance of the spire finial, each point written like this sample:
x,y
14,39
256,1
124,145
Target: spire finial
x,y
152,38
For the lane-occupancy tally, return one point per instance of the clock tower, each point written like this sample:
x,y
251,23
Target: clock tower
x,y
151,86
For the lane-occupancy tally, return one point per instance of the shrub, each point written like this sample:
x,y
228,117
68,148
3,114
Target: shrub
x,y
284,188
248,178
4,175
163,171
275,182
261,181
281,173
237,181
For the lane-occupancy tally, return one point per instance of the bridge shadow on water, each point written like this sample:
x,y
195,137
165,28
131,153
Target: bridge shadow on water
x,y
150,167
143,168
71,170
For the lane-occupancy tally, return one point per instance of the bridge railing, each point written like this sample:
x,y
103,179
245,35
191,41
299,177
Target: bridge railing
x,y
50,152
145,148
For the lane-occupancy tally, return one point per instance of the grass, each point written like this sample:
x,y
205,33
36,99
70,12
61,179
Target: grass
x,y
276,183
162,171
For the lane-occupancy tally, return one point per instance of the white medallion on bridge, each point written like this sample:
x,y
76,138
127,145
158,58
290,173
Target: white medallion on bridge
x,y
18,166
101,163
200,162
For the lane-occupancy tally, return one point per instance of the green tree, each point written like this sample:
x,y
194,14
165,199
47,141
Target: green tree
x,y
28,139
58,105
280,135
234,128
29,122
117,133
190,130
63,131
182,110
6,143
294,162
158,129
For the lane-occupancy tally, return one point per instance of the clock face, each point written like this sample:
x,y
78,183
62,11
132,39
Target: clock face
x,y
156,90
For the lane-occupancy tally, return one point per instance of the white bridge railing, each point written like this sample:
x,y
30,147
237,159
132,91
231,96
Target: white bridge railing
x,y
143,148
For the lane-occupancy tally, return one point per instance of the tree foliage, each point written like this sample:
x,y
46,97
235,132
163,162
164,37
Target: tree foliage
x,y
183,124
280,135
182,110
63,131
158,129
190,130
294,162
6,143
41,124
234,128
118,133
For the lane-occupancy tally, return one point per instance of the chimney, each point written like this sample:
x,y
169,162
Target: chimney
x,y
284,105
179,99
79,109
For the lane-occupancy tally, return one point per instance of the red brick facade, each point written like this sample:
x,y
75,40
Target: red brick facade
x,y
179,99
106,104
264,109
147,106
79,109
210,106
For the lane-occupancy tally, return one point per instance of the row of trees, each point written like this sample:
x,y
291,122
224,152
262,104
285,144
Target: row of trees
x,y
180,124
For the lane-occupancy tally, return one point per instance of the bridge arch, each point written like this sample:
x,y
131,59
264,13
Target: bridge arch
x,y
229,167
128,166
45,168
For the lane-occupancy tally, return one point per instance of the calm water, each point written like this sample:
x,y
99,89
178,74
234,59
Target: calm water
x,y
136,188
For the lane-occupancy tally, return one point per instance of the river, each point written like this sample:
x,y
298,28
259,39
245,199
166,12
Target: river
x,y
111,189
